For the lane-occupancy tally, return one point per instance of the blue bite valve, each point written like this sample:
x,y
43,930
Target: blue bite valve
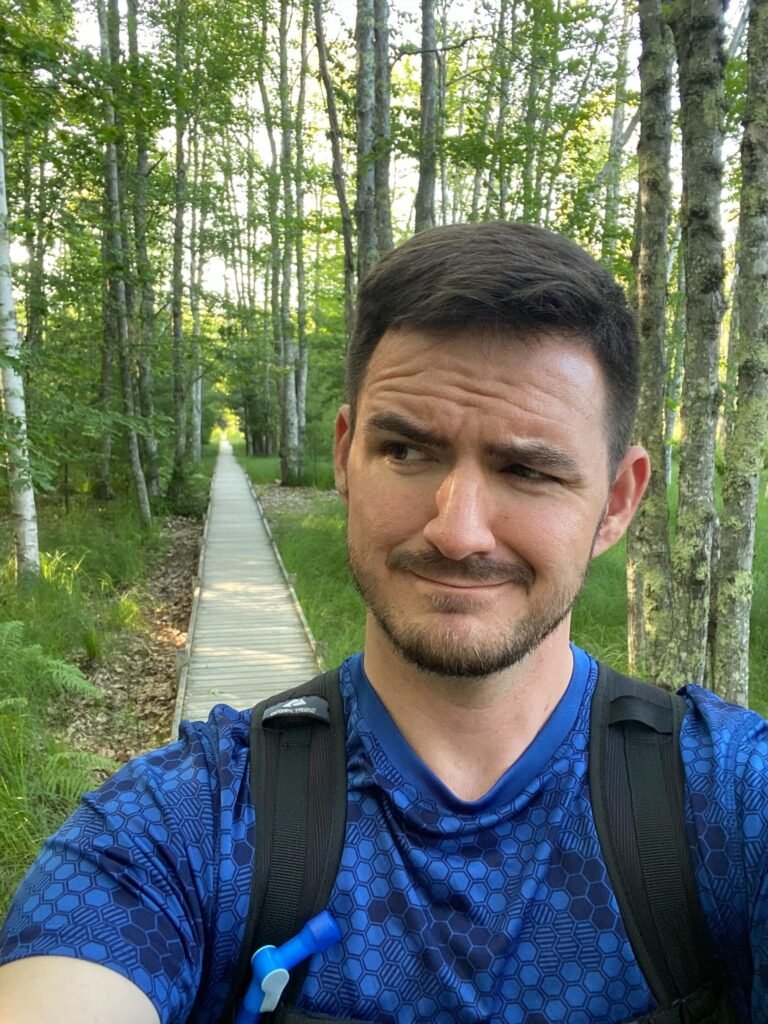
x,y
271,966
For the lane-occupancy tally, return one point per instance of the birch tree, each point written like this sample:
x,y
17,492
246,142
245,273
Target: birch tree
x,y
503,73
116,250
615,148
197,255
425,193
337,167
365,112
289,420
299,184
178,474
648,588
382,127
145,318
749,429
23,508
698,31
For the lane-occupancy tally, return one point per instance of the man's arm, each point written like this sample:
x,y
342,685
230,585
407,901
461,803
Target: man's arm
x,y
62,990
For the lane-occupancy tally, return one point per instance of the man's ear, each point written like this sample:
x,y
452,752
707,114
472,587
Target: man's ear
x,y
342,438
628,487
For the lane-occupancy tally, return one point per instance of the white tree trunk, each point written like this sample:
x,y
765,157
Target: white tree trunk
x,y
22,493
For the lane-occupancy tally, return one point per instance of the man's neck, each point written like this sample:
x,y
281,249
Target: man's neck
x,y
469,731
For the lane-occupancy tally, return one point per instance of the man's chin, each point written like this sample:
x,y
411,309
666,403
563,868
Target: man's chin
x,y
456,654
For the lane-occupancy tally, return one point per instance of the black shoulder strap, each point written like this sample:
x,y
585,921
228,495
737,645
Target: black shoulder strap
x,y
299,792
637,792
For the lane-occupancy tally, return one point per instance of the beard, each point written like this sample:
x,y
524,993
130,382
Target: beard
x,y
442,650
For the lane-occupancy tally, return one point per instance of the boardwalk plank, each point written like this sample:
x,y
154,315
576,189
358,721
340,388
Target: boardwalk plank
x,y
248,638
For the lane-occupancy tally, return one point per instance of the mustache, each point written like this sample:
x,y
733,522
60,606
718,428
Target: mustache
x,y
473,568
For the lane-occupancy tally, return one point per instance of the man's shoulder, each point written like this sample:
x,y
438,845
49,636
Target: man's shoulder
x,y
207,754
726,734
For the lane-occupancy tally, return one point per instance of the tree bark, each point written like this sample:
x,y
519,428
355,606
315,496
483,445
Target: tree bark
x,y
22,494
365,102
273,323
289,420
337,169
732,356
749,431
382,127
502,67
532,197
675,364
302,363
648,569
425,193
698,30
116,251
145,320
178,474
35,215
197,263
102,488
615,148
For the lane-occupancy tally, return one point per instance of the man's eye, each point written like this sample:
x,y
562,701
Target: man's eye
x,y
527,473
401,452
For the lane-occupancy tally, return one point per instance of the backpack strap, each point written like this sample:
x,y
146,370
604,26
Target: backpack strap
x,y
637,788
298,779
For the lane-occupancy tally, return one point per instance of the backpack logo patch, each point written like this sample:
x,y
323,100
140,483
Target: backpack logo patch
x,y
315,708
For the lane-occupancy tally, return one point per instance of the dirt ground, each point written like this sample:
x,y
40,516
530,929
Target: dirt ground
x,y
138,676
276,499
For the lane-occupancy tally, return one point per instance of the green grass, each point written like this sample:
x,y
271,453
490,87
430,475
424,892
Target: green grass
x,y
313,548
265,469
599,622
92,564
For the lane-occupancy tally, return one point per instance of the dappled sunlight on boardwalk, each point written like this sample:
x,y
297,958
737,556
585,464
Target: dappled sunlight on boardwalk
x,y
247,638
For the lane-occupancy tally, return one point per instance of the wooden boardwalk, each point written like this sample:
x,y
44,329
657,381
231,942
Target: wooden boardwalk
x,y
247,635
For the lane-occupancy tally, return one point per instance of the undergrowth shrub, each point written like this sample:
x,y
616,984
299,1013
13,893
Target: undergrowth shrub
x,y
40,780
94,559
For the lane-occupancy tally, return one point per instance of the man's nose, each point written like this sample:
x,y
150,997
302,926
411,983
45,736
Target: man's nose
x,y
461,525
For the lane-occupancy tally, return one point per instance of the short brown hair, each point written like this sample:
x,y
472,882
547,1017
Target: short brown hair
x,y
516,278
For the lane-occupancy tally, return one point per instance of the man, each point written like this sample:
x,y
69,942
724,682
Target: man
x,y
484,459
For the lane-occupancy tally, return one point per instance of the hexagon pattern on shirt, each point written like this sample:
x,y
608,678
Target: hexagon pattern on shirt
x,y
450,912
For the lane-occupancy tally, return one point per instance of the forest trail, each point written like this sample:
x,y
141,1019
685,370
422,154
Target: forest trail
x,y
247,634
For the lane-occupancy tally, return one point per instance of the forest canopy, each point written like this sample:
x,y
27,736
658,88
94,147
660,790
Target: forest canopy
x,y
190,192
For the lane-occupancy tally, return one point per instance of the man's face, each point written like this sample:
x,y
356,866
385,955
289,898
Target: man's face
x,y
477,486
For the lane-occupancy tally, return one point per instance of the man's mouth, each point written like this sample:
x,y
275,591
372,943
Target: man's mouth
x,y
462,584
471,573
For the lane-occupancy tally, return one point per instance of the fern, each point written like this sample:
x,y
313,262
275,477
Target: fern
x,y
27,671
40,784
67,774
11,638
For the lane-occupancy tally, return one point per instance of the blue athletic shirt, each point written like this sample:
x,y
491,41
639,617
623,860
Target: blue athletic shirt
x,y
498,909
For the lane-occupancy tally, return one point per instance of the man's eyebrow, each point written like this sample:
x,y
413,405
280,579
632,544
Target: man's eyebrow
x,y
394,423
540,454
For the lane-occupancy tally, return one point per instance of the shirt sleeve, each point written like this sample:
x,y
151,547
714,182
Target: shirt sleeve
x,y
751,801
725,753
127,882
